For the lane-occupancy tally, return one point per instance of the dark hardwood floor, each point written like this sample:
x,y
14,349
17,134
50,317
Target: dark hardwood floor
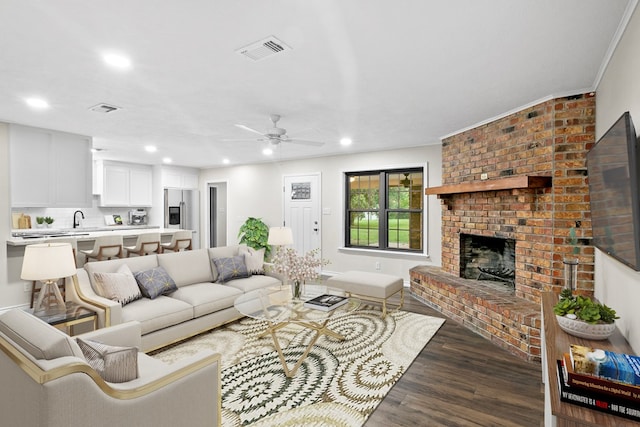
x,y
462,379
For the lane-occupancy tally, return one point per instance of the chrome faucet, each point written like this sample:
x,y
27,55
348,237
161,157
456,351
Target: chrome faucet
x,y
77,223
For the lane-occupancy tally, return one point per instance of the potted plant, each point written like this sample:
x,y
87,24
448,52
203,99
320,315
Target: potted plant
x,y
48,220
580,316
255,234
39,221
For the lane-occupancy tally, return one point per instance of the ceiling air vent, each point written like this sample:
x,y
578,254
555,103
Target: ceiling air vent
x,y
104,108
263,48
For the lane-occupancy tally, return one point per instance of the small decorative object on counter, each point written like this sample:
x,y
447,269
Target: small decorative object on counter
x,y
48,220
581,317
39,221
571,263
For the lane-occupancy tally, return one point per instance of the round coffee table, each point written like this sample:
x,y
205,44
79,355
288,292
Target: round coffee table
x,y
279,309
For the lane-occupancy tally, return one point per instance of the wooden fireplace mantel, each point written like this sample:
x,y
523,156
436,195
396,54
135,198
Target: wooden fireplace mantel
x,y
510,183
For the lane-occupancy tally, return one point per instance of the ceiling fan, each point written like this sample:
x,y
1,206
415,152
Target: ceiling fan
x,y
275,135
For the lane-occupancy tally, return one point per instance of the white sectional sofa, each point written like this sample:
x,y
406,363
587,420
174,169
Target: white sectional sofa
x,y
198,304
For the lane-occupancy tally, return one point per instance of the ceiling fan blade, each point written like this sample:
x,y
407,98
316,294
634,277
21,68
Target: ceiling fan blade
x,y
249,129
239,139
303,142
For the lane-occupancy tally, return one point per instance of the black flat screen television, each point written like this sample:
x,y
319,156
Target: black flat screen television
x,y
612,166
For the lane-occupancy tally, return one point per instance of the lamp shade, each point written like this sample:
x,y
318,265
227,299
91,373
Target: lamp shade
x,y
280,236
48,261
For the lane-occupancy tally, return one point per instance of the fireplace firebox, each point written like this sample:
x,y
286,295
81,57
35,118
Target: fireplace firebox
x,y
488,258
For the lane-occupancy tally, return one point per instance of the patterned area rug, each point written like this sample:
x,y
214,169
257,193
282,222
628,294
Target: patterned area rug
x,y
339,384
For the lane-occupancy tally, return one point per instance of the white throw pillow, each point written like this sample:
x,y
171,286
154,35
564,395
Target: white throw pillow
x,y
254,259
120,286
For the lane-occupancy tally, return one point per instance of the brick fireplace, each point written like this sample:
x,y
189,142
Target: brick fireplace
x,y
534,193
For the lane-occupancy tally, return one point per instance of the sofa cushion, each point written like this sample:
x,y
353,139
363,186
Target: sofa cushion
x,y
254,282
207,297
187,267
120,286
36,337
158,313
221,252
155,282
114,364
111,266
231,268
254,259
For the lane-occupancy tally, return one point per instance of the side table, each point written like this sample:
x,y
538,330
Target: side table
x,y
73,315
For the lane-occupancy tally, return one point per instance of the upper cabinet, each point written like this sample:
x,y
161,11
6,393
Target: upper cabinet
x,y
49,168
182,178
124,184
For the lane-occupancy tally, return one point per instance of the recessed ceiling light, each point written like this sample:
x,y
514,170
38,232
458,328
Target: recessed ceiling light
x,y
267,151
150,148
225,161
37,103
116,60
97,150
167,160
345,141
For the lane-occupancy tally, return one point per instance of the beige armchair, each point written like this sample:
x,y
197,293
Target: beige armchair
x,y
47,382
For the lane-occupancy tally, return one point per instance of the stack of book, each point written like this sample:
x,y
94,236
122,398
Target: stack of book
x,y
585,378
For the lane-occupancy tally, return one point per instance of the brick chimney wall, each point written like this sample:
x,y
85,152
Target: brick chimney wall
x,y
549,139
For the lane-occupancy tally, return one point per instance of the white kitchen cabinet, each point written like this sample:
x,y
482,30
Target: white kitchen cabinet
x,y
182,178
49,168
125,184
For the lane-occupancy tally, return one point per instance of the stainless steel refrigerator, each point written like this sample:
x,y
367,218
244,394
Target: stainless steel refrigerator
x,y
182,210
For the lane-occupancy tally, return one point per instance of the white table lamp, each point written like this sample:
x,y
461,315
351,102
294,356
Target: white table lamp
x,y
280,236
48,262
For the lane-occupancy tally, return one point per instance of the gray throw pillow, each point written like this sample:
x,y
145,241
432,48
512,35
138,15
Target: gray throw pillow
x,y
231,268
253,259
155,282
113,364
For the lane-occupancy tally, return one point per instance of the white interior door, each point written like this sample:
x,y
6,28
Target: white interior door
x,y
302,206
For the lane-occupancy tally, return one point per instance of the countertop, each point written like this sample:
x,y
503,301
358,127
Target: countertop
x,y
29,236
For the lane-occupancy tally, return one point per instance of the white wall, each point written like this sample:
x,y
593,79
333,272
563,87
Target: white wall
x,y
257,191
6,292
619,90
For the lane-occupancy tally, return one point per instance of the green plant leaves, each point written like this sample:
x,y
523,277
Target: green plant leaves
x,y
584,308
255,234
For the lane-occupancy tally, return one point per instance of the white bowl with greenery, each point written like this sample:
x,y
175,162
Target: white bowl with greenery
x,y
582,317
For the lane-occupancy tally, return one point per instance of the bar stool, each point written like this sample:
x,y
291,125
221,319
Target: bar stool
x,y
61,283
105,247
147,243
181,240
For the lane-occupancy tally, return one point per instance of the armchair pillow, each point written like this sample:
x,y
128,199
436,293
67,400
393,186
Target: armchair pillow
x,y
254,259
120,286
113,364
231,268
155,282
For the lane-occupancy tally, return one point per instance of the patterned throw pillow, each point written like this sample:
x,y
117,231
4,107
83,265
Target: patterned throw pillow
x,y
120,286
155,282
253,259
231,268
113,364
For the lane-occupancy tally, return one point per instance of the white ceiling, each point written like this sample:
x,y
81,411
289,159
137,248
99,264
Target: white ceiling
x,y
386,73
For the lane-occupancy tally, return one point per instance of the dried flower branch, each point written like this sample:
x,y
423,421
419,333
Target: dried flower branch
x,y
295,267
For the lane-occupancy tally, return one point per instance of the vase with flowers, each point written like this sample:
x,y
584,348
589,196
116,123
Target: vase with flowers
x,y
297,269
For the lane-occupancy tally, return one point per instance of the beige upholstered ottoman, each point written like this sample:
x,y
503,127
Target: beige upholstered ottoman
x,y
371,286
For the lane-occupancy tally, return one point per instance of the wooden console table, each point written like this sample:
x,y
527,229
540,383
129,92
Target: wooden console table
x,y
556,342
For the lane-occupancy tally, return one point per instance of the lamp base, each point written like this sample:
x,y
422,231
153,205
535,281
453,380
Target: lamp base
x,y
43,303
